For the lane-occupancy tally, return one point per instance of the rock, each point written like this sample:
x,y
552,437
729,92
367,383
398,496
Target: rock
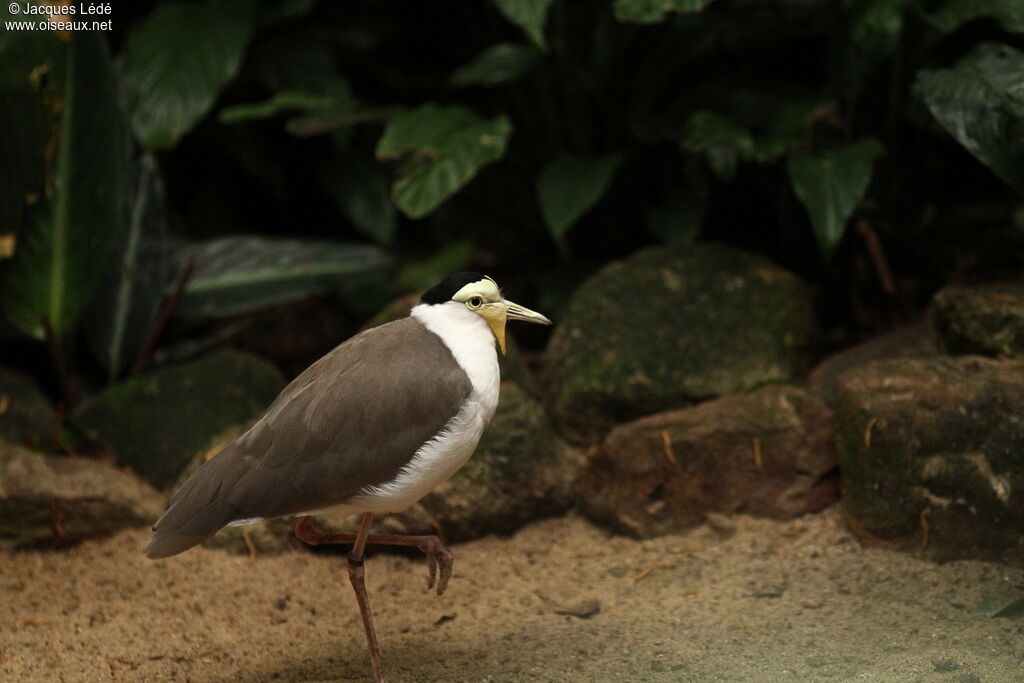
x,y
520,472
914,340
26,416
670,325
932,455
49,498
766,453
985,319
157,422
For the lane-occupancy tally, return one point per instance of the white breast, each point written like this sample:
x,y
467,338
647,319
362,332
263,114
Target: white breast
x,y
470,340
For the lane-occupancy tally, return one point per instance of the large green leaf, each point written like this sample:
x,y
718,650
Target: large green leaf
x,y
67,234
497,65
444,148
831,184
529,15
980,102
655,11
236,275
570,185
954,13
128,299
177,61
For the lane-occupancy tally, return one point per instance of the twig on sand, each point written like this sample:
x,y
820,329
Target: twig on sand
x,y
643,574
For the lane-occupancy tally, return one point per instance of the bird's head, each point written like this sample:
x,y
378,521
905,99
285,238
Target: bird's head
x,y
481,295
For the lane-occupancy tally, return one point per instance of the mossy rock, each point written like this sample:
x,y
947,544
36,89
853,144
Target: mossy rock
x,y
932,455
985,319
671,325
157,422
26,415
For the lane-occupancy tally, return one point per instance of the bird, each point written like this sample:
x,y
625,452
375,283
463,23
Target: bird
x,y
370,428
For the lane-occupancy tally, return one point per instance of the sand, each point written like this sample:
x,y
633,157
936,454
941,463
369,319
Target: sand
x,y
745,600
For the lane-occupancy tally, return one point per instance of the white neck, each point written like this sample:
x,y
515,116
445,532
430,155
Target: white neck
x,y
469,339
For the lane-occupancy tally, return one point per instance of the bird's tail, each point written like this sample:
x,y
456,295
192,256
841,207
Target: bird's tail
x,y
197,511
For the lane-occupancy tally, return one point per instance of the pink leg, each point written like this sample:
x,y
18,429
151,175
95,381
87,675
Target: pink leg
x,y
356,574
438,556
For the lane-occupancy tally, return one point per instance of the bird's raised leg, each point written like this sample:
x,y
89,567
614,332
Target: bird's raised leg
x,y
356,572
439,558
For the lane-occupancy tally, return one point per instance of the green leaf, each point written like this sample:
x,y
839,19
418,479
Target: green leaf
x,y
236,275
831,185
876,27
31,66
570,185
529,15
655,11
129,298
721,141
360,190
177,61
414,277
497,65
952,15
980,103
270,13
278,104
444,148
66,238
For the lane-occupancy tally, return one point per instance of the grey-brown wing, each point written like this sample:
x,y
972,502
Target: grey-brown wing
x,y
353,419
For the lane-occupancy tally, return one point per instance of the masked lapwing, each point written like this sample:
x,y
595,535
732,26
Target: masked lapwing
x,y
370,428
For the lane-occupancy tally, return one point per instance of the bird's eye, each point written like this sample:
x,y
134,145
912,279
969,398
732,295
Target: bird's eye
x,y
475,302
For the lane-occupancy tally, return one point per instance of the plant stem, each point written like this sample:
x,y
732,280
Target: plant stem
x,y
164,316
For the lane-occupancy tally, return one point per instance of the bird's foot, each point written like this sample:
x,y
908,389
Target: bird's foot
x,y
439,561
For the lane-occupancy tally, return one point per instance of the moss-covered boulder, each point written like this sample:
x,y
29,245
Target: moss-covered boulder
x,y
913,340
520,472
56,499
157,422
932,455
26,416
767,453
985,319
669,325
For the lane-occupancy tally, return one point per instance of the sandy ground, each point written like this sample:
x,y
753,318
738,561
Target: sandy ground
x,y
760,601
